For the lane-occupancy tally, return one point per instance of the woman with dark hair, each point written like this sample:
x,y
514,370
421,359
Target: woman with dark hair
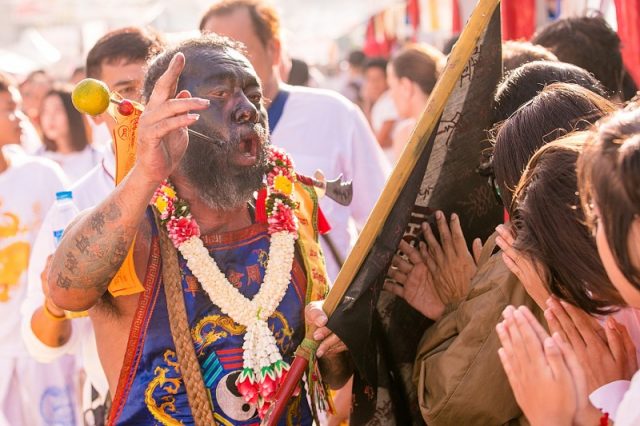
x,y
519,87
523,83
550,233
558,109
65,135
465,294
553,383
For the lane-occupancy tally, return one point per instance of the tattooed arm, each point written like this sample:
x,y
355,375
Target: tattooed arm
x,y
95,246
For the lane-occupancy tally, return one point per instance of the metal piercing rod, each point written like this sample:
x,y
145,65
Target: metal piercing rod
x,y
193,132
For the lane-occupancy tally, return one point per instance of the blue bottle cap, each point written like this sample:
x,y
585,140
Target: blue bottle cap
x,y
64,195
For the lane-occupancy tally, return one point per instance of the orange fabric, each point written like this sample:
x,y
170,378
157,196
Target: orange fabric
x,y
124,138
308,243
126,281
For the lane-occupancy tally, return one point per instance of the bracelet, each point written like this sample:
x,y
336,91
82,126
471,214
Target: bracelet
x,y
604,420
51,315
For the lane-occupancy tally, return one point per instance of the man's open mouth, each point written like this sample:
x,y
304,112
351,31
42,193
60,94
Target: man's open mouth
x,y
247,151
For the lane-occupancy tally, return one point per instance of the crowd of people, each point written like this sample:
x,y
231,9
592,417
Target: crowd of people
x,y
146,316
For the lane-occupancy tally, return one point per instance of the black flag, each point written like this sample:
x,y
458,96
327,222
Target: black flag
x,y
381,330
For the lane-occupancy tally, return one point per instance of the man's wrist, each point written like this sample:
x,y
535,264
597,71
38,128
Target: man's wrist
x,y
143,178
53,312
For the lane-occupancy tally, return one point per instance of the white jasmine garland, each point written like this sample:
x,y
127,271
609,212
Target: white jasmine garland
x,y
263,367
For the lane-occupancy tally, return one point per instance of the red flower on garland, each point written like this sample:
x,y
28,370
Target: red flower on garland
x,y
282,219
249,391
181,229
263,408
268,387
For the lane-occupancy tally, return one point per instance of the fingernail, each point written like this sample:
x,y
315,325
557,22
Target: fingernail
x,y
549,343
548,314
454,216
519,316
317,335
438,215
204,101
322,321
499,228
611,323
194,116
425,225
422,245
319,353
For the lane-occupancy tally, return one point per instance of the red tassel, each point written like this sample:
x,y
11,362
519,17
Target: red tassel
x,y
261,206
323,223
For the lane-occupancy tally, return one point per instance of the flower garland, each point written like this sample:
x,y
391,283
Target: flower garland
x,y
263,369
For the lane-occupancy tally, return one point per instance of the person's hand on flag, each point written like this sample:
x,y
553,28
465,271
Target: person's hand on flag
x,y
439,273
330,343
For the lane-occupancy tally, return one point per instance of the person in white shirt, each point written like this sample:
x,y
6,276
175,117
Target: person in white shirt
x,y
65,135
30,393
320,129
118,59
412,74
378,104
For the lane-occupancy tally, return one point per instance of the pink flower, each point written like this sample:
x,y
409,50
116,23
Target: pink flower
x,y
268,387
181,229
249,391
282,219
263,408
247,386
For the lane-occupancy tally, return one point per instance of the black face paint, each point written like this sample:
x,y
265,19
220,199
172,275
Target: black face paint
x,y
225,172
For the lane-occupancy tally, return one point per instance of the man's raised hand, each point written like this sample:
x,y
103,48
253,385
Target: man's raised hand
x,y
162,129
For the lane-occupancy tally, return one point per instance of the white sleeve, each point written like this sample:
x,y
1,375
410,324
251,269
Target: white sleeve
x,y
369,169
42,248
608,397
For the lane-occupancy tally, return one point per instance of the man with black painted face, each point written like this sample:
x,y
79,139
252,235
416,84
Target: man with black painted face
x,y
206,85
321,129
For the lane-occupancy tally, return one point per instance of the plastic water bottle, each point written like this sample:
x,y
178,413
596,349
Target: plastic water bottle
x,y
64,211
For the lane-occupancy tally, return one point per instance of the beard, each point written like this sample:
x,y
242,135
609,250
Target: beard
x,y
209,167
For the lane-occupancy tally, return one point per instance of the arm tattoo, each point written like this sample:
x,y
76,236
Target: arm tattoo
x,y
97,246
82,243
97,222
71,263
63,281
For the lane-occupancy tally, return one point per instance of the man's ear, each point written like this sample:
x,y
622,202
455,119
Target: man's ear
x,y
274,48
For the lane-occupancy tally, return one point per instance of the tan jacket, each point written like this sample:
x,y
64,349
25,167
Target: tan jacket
x,y
459,377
